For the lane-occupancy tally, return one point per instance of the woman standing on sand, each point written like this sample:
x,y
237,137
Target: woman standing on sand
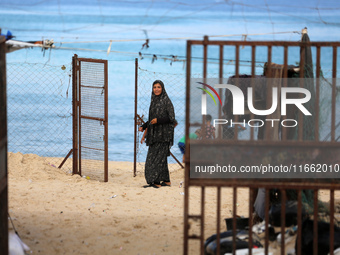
x,y
159,136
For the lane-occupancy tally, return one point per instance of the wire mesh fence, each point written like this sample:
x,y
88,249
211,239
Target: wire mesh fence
x,y
175,88
40,111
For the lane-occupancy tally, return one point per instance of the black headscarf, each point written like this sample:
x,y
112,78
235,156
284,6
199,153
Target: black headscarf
x,y
160,107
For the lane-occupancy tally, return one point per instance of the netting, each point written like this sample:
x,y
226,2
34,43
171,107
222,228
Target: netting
x,y
39,110
92,110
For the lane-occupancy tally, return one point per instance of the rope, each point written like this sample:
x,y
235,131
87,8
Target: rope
x,y
171,58
180,38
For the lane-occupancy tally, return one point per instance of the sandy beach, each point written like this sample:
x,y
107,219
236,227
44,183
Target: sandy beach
x,y
57,213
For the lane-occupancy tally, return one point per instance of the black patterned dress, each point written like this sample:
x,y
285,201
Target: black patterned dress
x,y
156,165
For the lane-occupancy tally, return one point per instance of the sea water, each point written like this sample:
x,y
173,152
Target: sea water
x,y
95,23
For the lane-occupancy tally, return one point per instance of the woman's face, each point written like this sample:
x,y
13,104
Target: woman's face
x,y
157,89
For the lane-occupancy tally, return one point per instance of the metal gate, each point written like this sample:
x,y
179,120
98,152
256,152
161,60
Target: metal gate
x,y
90,117
297,146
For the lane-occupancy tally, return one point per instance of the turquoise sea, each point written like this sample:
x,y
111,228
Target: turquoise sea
x,y
86,27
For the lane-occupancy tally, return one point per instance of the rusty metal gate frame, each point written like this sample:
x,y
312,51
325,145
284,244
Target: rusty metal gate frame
x,y
77,116
282,185
3,150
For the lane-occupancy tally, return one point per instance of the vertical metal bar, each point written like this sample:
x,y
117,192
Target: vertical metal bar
x,y
331,225
302,77
75,114
334,92
220,130
299,221
285,64
251,205
253,57
283,220
285,77
4,217
267,201
3,151
269,66
269,100
237,75
234,218
237,61
317,99
315,223
79,117
205,57
106,123
205,67
202,220
218,225
187,151
135,125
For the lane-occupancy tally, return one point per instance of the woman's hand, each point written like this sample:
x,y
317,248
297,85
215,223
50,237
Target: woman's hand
x,y
154,121
143,138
